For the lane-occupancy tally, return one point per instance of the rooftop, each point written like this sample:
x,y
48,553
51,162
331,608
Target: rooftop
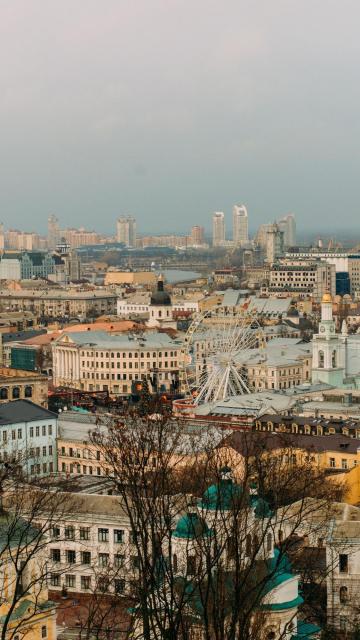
x,y
8,372
102,339
23,411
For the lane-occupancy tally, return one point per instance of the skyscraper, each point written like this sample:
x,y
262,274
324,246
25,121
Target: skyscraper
x,y
274,243
126,230
53,232
218,229
197,236
288,226
240,225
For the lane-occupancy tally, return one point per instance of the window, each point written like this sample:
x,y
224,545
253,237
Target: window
x,y
70,581
55,555
28,392
103,584
31,432
44,452
85,557
50,430
37,429
4,394
118,536
269,542
321,359
119,585
135,562
248,545
191,566
55,532
343,595
332,462
19,434
69,533
43,430
103,559
103,535
16,393
84,533
344,464
133,537
85,582
119,560
70,556
44,631
55,580
343,563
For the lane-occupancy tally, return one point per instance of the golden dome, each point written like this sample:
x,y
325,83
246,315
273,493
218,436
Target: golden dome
x,y
326,297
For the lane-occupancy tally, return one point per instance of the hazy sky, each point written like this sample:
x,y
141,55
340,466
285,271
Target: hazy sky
x,y
172,109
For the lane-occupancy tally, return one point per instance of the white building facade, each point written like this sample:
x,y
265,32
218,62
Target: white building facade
x,y
240,225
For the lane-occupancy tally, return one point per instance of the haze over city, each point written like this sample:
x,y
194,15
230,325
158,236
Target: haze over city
x,y
172,110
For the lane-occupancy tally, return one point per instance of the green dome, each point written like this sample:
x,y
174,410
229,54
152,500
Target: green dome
x,y
191,526
223,495
262,508
284,566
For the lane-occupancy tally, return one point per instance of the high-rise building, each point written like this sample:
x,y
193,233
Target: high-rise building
x,y
197,236
126,230
288,226
53,232
274,243
218,229
240,225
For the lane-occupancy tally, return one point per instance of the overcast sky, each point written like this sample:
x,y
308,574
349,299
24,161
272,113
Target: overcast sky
x,y
172,109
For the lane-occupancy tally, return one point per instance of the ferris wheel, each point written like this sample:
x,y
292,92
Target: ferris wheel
x,y
216,348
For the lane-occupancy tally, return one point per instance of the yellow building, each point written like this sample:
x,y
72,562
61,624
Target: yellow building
x,y
18,384
23,591
130,277
332,453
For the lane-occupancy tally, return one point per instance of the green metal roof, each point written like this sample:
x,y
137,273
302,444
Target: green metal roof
x,y
16,533
222,495
191,526
306,630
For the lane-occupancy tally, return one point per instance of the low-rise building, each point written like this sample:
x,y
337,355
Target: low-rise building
x,y
302,278
18,384
28,436
34,615
60,303
105,362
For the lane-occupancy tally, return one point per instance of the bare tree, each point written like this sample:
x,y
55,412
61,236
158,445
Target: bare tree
x,y
29,510
208,558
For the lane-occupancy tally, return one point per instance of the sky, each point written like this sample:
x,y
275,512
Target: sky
x,y
172,109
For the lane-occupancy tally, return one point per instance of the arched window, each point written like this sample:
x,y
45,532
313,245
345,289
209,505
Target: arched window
x,y
4,394
321,359
16,393
268,542
343,593
333,360
248,545
28,391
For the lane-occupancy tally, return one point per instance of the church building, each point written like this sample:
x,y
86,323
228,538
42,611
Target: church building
x,y
336,356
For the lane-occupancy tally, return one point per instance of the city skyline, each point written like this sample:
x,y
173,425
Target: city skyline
x,y
103,116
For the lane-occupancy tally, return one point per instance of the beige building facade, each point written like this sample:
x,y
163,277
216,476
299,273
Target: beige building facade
x,y
104,362
56,303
